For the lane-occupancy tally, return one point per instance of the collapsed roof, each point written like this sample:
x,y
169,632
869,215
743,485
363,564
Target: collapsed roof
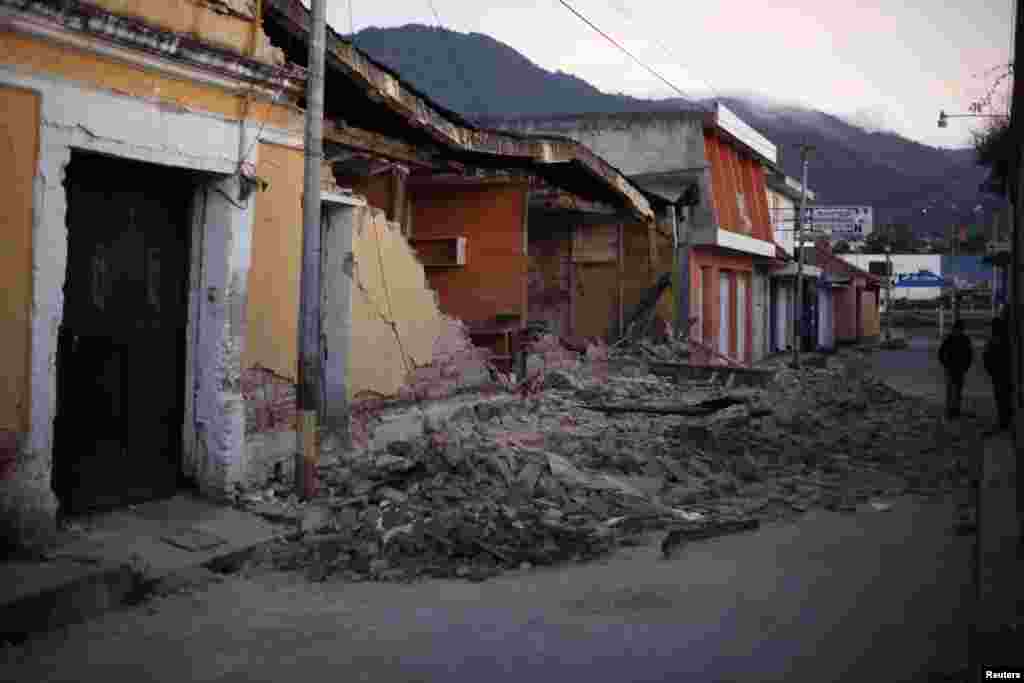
x,y
368,107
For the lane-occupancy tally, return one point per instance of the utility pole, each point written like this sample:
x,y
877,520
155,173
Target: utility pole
x,y
1016,290
888,291
798,303
308,391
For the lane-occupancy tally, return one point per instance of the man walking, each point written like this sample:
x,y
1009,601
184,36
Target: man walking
x,y
997,364
956,355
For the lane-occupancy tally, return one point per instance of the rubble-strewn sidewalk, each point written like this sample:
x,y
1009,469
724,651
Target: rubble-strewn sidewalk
x,y
553,475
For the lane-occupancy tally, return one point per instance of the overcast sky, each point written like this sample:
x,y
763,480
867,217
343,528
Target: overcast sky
x,y
892,65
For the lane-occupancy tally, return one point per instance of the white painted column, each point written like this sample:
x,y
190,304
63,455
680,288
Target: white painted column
x,y
219,302
723,313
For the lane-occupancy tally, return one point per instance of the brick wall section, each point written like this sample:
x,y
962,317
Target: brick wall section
x,y
8,454
269,401
456,365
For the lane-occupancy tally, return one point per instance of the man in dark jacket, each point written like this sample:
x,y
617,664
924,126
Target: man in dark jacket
x,y
997,364
956,355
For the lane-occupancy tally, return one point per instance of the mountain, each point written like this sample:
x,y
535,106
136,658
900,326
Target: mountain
x,y
484,79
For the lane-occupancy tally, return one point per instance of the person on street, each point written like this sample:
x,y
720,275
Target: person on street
x,y
997,364
956,355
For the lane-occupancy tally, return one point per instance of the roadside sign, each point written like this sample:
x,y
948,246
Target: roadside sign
x,y
841,222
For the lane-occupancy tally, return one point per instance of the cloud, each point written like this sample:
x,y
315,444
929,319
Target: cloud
x,y
873,119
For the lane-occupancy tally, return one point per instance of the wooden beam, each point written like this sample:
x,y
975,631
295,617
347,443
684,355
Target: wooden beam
x,y
379,145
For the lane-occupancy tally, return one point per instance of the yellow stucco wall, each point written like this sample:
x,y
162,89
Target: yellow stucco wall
x,y
273,308
231,27
81,67
19,143
389,284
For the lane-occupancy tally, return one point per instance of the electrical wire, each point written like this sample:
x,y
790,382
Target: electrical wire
x,y
460,73
628,15
614,42
437,17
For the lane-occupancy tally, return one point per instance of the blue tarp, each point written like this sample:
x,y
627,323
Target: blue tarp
x,y
922,278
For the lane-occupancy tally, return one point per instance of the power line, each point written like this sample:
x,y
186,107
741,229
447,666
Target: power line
x,y
437,16
460,73
614,42
628,15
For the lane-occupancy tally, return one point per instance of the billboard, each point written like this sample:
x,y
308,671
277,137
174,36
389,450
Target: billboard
x,y
851,223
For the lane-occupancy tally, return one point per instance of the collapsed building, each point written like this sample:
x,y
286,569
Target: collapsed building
x,y
153,219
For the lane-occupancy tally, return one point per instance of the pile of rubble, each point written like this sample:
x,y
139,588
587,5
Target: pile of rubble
x,y
465,501
587,463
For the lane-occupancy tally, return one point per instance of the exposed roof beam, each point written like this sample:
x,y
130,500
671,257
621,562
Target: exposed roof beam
x,y
454,134
376,144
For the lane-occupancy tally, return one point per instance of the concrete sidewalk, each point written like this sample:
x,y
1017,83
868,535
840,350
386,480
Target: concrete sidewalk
x,y
103,561
1000,607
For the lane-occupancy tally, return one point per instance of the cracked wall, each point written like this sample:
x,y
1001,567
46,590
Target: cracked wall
x,y
230,24
71,117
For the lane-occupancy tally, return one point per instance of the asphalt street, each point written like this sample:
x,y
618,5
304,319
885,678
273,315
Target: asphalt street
x,y
858,596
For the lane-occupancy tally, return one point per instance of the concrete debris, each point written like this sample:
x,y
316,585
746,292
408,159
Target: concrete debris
x,y
559,380
540,479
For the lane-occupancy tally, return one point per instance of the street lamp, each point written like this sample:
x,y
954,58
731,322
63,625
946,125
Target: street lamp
x,y
944,117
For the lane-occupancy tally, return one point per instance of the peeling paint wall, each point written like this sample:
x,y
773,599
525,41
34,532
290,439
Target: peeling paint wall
x,y
28,55
229,24
83,118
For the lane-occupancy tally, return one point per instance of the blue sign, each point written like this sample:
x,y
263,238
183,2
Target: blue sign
x,y
922,278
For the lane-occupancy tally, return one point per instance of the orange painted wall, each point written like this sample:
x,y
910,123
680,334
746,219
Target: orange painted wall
x,y
715,262
108,74
732,172
273,307
19,149
491,218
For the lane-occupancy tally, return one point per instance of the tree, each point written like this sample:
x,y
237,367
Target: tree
x,y
992,144
899,236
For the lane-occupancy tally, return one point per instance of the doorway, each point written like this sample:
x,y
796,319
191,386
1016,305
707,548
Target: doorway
x,y
121,345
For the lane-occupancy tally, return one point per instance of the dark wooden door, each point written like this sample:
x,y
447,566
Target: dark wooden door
x,y
122,340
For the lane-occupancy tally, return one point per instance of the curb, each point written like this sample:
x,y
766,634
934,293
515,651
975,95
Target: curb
x,y
88,594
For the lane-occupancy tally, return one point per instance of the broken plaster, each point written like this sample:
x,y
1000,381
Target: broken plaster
x,y
73,118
